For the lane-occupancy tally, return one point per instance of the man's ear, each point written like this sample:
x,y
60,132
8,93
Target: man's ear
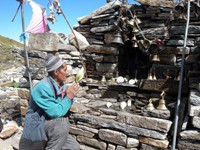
x,y
56,72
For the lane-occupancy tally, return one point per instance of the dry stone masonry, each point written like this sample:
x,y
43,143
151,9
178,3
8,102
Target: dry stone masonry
x,y
132,56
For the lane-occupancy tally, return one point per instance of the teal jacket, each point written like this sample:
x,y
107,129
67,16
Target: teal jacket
x,y
53,102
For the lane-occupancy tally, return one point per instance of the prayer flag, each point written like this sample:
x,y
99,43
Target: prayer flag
x,y
38,23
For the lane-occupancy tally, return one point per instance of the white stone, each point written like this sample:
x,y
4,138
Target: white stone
x,y
16,79
123,105
75,53
196,122
82,41
9,129
129,103
120,79
131,82
131,142
3,94
194,110
108,104
5,146
111,147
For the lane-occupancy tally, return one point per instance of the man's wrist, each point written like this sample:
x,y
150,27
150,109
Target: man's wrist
x,y
70,97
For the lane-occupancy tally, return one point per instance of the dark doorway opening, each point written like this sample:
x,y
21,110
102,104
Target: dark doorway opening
x,y
133,62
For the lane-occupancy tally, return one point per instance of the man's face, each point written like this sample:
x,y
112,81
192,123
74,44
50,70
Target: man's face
x,y
62,73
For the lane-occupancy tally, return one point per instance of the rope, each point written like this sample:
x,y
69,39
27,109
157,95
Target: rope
x,y
137,25
78,46
76,39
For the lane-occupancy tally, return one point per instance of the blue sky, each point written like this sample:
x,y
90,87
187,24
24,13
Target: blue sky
x,y
73,9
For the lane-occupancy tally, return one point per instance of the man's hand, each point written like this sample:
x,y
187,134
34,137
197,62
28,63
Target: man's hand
x,y
72,90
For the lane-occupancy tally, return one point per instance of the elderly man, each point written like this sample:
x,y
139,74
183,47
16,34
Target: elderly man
x,y
53,99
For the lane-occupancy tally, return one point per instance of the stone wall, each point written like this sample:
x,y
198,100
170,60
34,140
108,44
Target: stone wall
x,y
116,114
154,66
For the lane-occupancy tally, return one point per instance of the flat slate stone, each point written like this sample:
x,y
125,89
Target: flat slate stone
x,y
179,42
112,136
92,142
103,49
193,29
145,122
105,8
108,28
154,142
148,147
174,50
170,86
164,114
127,129
169,4
35,53
44,41
188,145
190,135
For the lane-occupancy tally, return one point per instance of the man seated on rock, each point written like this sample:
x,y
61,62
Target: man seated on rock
x,y
52,99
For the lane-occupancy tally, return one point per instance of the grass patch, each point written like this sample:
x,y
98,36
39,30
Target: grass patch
x,y
15,84
6,55
9,42
8,58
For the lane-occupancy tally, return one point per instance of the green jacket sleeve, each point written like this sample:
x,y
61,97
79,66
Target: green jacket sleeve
x,y
45,98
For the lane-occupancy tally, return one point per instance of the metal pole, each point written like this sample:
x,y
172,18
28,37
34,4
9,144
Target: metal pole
x,y
181,79
24,40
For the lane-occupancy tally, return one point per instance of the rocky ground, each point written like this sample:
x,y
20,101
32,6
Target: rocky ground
x,y
11,70
11,64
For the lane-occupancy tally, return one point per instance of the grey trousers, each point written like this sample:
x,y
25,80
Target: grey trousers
x,y
57,131
25,144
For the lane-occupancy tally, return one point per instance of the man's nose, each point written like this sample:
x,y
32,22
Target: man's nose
x,y
67,74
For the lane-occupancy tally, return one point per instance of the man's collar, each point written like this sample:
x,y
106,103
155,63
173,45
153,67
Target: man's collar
x,y
59,90
55,83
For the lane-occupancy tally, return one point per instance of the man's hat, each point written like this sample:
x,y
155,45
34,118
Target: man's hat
x,y
53,62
